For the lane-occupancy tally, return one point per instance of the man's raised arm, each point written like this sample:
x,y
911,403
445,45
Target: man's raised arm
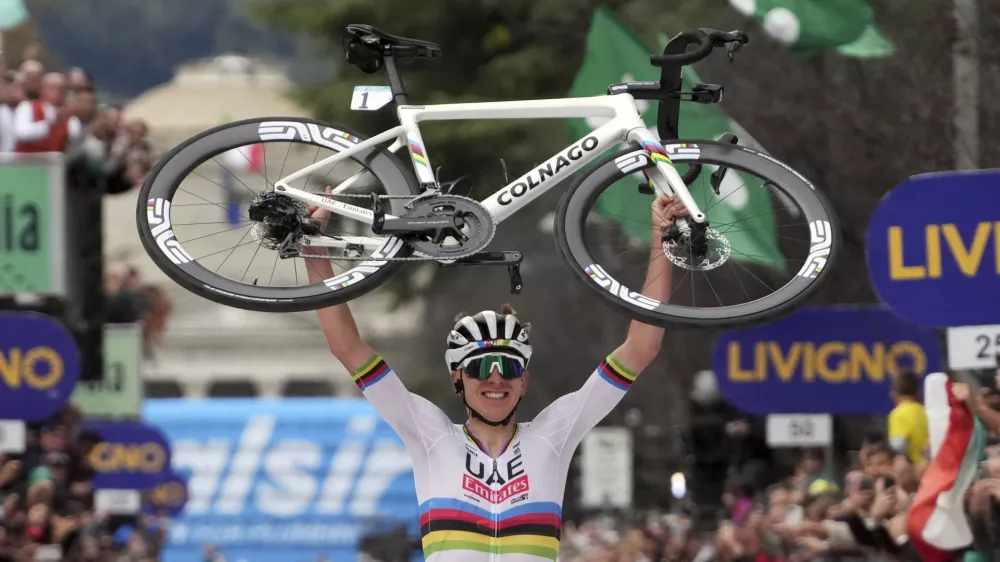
x,y
642,344
564,422
338,323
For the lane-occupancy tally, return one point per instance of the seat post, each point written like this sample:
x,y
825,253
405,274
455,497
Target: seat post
x,y
395,81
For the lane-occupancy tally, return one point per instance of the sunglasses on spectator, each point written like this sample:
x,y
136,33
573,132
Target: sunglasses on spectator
x,y
482,366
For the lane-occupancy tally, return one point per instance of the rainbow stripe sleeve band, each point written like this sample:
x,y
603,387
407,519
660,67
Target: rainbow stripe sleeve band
x,y
616,374
371,372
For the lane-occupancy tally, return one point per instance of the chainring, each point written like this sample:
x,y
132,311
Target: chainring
x,y
479,227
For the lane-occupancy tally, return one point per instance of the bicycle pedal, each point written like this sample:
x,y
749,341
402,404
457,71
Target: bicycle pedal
x,y
645,189
514,272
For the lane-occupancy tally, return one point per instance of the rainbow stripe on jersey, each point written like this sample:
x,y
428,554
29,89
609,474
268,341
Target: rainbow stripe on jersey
x,y
452,524
616,374
371,372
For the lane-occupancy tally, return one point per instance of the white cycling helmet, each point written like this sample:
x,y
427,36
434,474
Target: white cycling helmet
x,y
484,332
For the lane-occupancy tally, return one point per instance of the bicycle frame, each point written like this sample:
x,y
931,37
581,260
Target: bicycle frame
x,y
625,125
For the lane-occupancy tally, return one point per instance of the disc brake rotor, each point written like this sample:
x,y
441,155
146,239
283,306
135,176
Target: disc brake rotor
x,y
679,251
474,228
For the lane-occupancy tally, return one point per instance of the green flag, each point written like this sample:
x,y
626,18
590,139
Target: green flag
x,y
812,25
614,54
12,13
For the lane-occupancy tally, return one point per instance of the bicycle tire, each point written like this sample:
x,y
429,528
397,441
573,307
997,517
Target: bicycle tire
x,y
825,239
153,221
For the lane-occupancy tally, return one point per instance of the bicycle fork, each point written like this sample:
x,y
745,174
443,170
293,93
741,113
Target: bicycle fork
x,y
665,178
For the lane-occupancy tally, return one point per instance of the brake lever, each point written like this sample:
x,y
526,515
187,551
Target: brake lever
x,y
731,49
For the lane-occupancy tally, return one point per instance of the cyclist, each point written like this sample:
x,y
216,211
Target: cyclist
x,y
492,488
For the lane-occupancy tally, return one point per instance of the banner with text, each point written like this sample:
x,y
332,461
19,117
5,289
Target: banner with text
x,y
280,480
39,366
119,394
934,248
32,210
130,456
822,361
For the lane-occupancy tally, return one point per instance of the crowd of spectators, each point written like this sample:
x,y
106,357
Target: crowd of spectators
x,y
47,511
132,300
856,512
48,111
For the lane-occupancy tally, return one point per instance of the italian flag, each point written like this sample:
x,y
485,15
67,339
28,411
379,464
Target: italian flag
x,y
937,523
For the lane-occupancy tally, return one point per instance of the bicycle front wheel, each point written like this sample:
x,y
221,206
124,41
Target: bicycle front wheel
x,y
772,237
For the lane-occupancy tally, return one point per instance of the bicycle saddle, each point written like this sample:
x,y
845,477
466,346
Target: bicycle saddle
x,y
408,48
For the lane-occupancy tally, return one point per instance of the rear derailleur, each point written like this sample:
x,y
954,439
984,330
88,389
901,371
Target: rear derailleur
x,y
280,223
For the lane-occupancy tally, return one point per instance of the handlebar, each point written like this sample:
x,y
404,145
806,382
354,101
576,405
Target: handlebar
x,y
707,40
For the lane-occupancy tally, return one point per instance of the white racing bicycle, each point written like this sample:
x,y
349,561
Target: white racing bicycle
x,y
385,213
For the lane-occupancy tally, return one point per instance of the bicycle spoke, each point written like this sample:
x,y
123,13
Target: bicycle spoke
x,y
743,267
710,286
238,244
219,205
235,177
220,232
251,261
273,267
726,197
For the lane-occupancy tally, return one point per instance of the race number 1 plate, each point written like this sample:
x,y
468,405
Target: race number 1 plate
x,y
370,98
973,347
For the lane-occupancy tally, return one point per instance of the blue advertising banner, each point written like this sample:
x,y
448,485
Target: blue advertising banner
x,y
131,456
823,360
934,248
281,480
39,366
168,497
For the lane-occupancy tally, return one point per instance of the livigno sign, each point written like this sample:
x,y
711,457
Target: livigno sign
x,y
32,219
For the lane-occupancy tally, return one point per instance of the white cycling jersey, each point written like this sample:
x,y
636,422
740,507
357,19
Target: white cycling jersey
x,y
475,508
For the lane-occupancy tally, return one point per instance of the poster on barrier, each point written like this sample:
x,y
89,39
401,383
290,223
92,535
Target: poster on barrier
x,y
934,249
119,394
822,361
285,479
32,225
39,366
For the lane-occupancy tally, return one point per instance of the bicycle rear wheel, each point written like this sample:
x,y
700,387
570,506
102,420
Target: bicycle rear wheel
x,y
197,200
759,211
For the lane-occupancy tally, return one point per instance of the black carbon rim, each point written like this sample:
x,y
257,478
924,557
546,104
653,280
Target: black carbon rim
x,y
165,179
577,203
